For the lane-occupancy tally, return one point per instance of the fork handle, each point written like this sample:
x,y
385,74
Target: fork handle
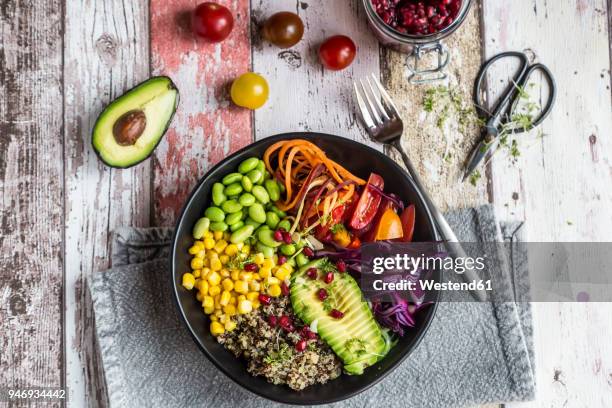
x,y
446,232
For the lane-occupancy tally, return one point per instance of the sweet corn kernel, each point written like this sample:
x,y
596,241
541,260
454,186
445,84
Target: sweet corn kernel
x,y
256,304
228,284
274,290
215,264
258,258
241,298
235,274
271,280
218,235
224,259
281,274
188,281
245,306
201,253
254,286
218,312
288,267
216,328
230,325
246,276
231,250
233,300
225,273
220,245
208,234
252,296
214,290
267,263
209,243
230,309
205,272
194,250
214,318
222,319
198,243
214,278
209,310
265,272
197,273
199,297
217,304
256,276
225,298
197,263
204,287
241,286
208,302
246,249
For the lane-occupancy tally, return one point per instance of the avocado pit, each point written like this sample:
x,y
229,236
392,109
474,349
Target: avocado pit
x,y
129,127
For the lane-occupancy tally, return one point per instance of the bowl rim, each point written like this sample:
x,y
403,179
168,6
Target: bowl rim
x,y
431,311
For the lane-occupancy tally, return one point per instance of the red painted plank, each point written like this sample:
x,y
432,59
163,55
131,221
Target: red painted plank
x,y
206,127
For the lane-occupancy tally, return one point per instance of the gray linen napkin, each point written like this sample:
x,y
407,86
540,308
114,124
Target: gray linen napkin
x,y
473,353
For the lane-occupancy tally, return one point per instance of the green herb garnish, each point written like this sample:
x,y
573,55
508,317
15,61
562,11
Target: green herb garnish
x,y
283,354
474,177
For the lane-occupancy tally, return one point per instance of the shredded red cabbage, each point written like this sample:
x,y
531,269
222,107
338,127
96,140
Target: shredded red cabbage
x,y
390,197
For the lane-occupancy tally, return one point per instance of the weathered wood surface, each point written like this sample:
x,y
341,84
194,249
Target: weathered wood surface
x,y
31,204
206,127
105,53
561,184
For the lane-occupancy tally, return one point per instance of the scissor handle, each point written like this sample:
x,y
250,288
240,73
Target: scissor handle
x,y
510,90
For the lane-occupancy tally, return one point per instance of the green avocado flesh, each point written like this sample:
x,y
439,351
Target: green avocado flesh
x,y
356,337
157,98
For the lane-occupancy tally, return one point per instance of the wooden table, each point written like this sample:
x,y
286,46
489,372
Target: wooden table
x,y
62,61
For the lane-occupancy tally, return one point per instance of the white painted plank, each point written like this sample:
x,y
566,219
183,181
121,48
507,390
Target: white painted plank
x,y
106,53
304,96
563,177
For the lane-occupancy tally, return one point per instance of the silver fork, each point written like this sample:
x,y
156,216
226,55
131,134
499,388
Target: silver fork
x,y
384,125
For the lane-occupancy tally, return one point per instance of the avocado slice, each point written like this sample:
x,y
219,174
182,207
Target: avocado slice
x,y
131,126
356,337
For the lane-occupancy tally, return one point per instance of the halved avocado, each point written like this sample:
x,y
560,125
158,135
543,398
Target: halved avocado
x,y
131,126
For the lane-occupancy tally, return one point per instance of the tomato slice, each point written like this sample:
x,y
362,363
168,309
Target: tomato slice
x,y
408,218
389,226
368,203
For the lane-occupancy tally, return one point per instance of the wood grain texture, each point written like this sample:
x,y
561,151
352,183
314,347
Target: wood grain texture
x,y
439,152
106,53
561,184
206,127
305,96
31,216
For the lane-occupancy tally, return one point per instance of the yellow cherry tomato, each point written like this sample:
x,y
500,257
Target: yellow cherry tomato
x,y
250,90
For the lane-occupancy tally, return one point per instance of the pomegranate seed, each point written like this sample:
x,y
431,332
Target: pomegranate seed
x,y
336,314
304,332
341,265
312,335
300,345
284,289
417,16
312,273
272,320
308,252
329,277
322,294
287,238
282,259
278,235
284,321
289,328
251,267
264,299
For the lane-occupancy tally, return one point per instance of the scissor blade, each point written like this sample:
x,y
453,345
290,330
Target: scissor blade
x,y
477,156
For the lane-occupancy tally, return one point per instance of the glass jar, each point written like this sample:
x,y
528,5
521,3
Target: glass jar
x,y
416,46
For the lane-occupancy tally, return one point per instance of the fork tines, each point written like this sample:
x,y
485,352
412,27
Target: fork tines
x,y
373,111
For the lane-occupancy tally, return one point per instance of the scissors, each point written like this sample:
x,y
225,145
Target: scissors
x,y
503,109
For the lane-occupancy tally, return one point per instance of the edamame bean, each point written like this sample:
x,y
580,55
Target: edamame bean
x,y
266,237
265,250
201,227
280,213
247,184
233,189
261,166
267,175
261,194
248,165
257,213
236,226
231,206
287,249
284,224
291,262
301,259
272,189
246,200
250,221
261,228
241,235
218,196
214,214
218,226
272,219
255,175
233,218
231,178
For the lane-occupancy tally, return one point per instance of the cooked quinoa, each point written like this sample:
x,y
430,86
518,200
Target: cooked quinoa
x,y
270,351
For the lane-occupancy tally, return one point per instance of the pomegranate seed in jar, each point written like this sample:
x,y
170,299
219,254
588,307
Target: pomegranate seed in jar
x,y
284,289
312,273
300,345
282,259
417,17
278,235
336,314
251,267
272,320
341,265
329,277
322,294
264,299
308,252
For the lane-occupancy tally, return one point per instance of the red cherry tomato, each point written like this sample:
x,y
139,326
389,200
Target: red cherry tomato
x,y
337,52
212,22
408,217
368,204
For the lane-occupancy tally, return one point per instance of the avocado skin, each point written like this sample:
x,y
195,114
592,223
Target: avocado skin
x,y
136,88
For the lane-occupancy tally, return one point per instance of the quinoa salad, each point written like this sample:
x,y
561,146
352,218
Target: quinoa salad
x,y
276,262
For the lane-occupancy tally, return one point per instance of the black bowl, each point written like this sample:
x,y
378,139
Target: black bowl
x,y
359,159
